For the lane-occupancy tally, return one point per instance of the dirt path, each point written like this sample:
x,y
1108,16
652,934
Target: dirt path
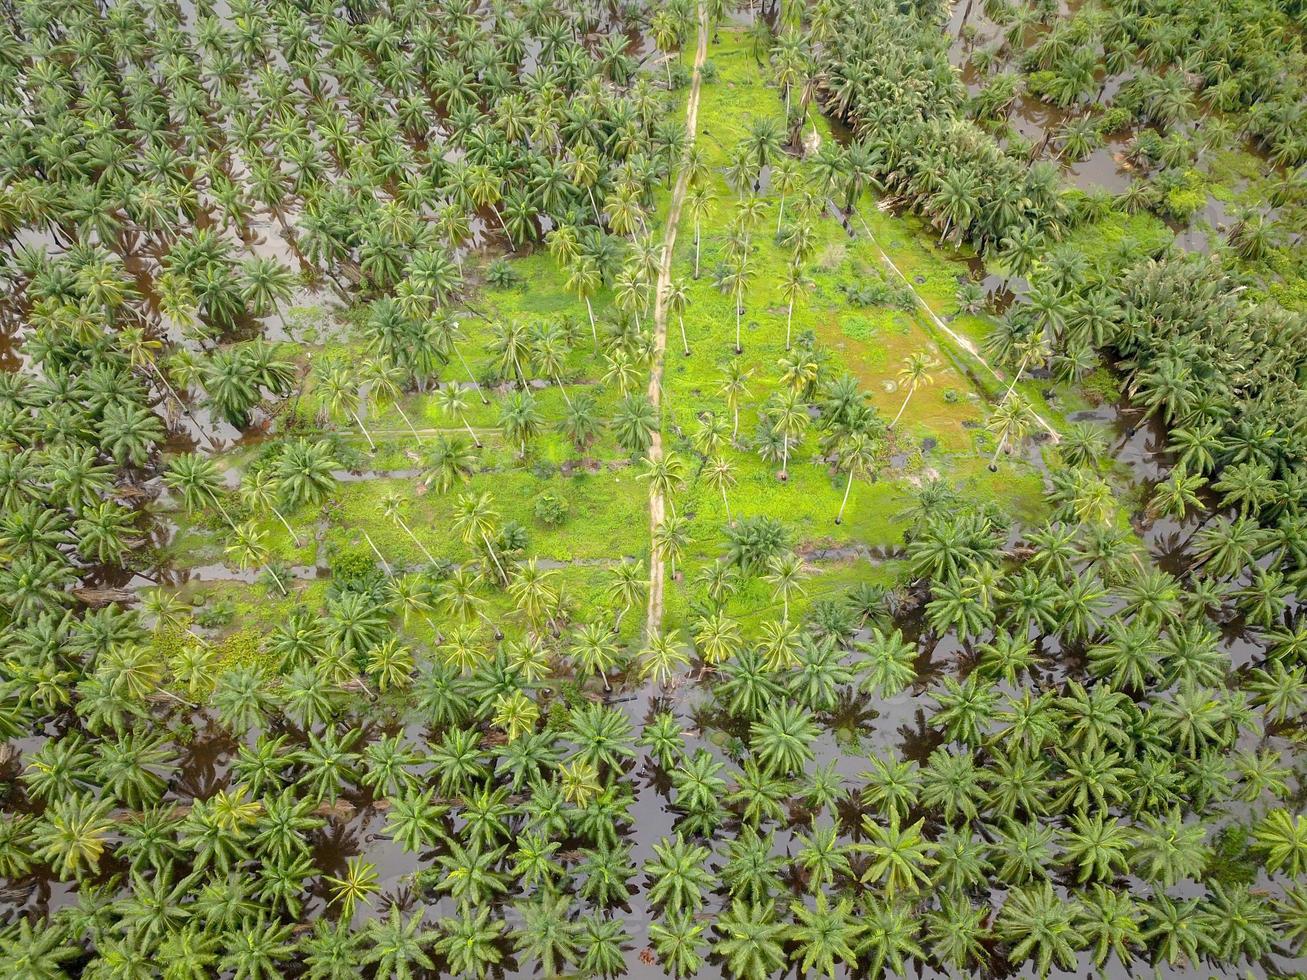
x,y
658,506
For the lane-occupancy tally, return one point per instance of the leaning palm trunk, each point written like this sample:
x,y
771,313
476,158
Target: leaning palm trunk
x,y
376,551
407,421
289,530
726,504
470,376
993,461
1015,378
362,428
911,390
409,531
839,518
277,578
475,439
493,557
594,331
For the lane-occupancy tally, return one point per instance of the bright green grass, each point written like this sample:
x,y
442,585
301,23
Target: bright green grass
x,y
939,435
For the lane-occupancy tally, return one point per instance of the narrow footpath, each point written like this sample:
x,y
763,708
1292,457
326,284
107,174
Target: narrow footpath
x,y
658,506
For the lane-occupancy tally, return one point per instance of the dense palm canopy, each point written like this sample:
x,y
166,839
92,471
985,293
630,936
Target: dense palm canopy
x,y
1098,756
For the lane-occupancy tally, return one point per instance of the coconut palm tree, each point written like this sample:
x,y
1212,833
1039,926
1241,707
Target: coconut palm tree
x,y
734,388
627,587
916,371
856,455
474,520
247,550
698,201
340,395
1010,421
794,284
384,379
451,400
677,299
519,419
734,278
789,418
719,474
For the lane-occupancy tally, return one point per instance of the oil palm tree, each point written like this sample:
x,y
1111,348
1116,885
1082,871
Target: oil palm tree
x,y
751,940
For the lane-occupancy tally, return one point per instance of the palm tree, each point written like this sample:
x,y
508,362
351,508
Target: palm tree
x,y
628,586
671,537
784,574
734,388
677,298
584,279
392,505
697,204
519,419
824,935
357,885
1010,422
449,461
593,650
734,278
197,479
662,656
340,393
789,417
719,474
470,943
451,400
666,475
678,938
72,835
474,520
900,856
678,876
384,381
751,940
260,491
1038,922
304,472
786,177
914,373
635,423
247,550
856,455
794,283
399,946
